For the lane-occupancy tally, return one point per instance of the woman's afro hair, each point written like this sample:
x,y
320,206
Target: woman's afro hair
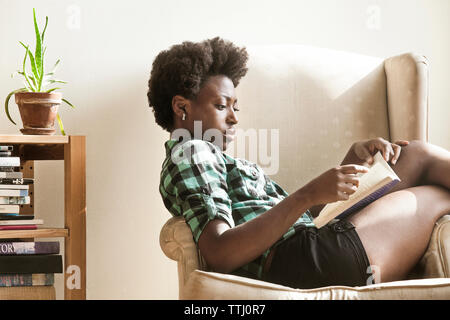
x,y
184,68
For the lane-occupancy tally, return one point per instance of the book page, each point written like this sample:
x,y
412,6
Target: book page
x,y
380,174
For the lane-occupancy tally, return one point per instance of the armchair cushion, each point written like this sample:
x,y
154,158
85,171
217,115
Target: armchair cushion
x,y
209,285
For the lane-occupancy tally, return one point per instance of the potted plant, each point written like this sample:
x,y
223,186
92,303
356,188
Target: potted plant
x,y
38,103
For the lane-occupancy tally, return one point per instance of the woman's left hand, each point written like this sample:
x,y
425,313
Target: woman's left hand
x,y
365,150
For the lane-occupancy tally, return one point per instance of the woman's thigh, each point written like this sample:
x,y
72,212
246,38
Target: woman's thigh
x,y
395,229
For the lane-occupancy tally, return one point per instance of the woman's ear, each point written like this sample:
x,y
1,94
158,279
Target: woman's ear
x,y
179,104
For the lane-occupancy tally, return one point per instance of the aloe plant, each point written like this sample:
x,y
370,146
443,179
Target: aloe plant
x,y
38,80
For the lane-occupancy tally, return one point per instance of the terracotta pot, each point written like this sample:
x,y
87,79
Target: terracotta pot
x,y
38,111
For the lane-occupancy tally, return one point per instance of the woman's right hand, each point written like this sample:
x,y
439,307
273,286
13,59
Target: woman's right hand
x,y
335,184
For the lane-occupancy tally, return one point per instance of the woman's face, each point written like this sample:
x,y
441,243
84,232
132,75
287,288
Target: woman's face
x,y
216,107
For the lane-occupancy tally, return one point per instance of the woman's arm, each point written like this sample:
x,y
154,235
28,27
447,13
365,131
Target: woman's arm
x,y
226,249
350,158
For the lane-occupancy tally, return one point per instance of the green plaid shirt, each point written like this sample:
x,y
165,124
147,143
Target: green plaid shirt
x,y
201,183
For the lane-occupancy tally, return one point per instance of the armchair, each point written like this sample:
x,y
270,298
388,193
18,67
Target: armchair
x,y
336,98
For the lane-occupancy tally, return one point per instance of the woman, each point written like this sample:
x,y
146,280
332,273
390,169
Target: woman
x,y
244,223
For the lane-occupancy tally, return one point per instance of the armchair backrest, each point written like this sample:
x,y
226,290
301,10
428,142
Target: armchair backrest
x,y
321,101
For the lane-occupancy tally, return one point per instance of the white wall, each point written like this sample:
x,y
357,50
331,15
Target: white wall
x,y
106,50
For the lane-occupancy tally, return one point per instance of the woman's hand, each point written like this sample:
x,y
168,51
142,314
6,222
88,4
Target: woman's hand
x,y
365,150
335,184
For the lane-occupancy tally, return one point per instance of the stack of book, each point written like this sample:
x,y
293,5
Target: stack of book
x,y
27,268
14,193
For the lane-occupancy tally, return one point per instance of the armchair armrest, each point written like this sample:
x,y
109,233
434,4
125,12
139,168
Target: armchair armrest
x,y
435,263
407,96
177,243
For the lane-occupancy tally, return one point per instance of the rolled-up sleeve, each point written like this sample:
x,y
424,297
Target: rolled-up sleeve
x,y
199,184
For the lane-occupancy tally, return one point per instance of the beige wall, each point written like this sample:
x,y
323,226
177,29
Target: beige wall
x,y
106,50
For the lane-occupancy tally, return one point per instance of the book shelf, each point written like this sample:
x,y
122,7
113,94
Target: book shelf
x,y
71,150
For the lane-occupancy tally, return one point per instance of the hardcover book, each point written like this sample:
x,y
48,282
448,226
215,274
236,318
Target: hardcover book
x,y
28,293
40,247
374,184
16,181
13,193
9,208
14,200
16,216
11,174
20,222
22,280
14,186
22,227
19,264
9,162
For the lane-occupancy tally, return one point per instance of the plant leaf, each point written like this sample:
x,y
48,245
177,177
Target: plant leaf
x,y
31,77
54,68
42,70
33,62
56,81
45,28
66,101
25,73
8,97
38,52
61,127
52,89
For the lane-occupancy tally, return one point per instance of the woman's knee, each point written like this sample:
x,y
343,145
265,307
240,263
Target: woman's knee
x,y
417,147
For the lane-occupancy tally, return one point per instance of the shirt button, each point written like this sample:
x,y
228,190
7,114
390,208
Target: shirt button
x,y
252,193
338,228
205,190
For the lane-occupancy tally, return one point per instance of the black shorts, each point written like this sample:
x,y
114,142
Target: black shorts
x,y
313,258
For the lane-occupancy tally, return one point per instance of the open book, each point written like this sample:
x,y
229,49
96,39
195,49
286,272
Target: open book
x,y
372,185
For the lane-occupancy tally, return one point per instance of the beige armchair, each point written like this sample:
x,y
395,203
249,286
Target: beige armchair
x,y
320,101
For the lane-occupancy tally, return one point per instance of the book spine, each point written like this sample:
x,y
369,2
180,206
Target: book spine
x,y
9,208
13,193
9,162
28,293
14,222
16,216
12,174
19,181
367,200
41,247
5,153
20,264
15,200
21,227
21,280
14,186
6,148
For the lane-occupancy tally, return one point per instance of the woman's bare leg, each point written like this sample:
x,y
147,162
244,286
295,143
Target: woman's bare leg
x,y
422,163
395,229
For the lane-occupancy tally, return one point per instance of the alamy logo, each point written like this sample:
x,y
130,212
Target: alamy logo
x,y
74,277
257,146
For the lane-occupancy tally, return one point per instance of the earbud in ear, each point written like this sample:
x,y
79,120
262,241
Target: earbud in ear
x,y
184,114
